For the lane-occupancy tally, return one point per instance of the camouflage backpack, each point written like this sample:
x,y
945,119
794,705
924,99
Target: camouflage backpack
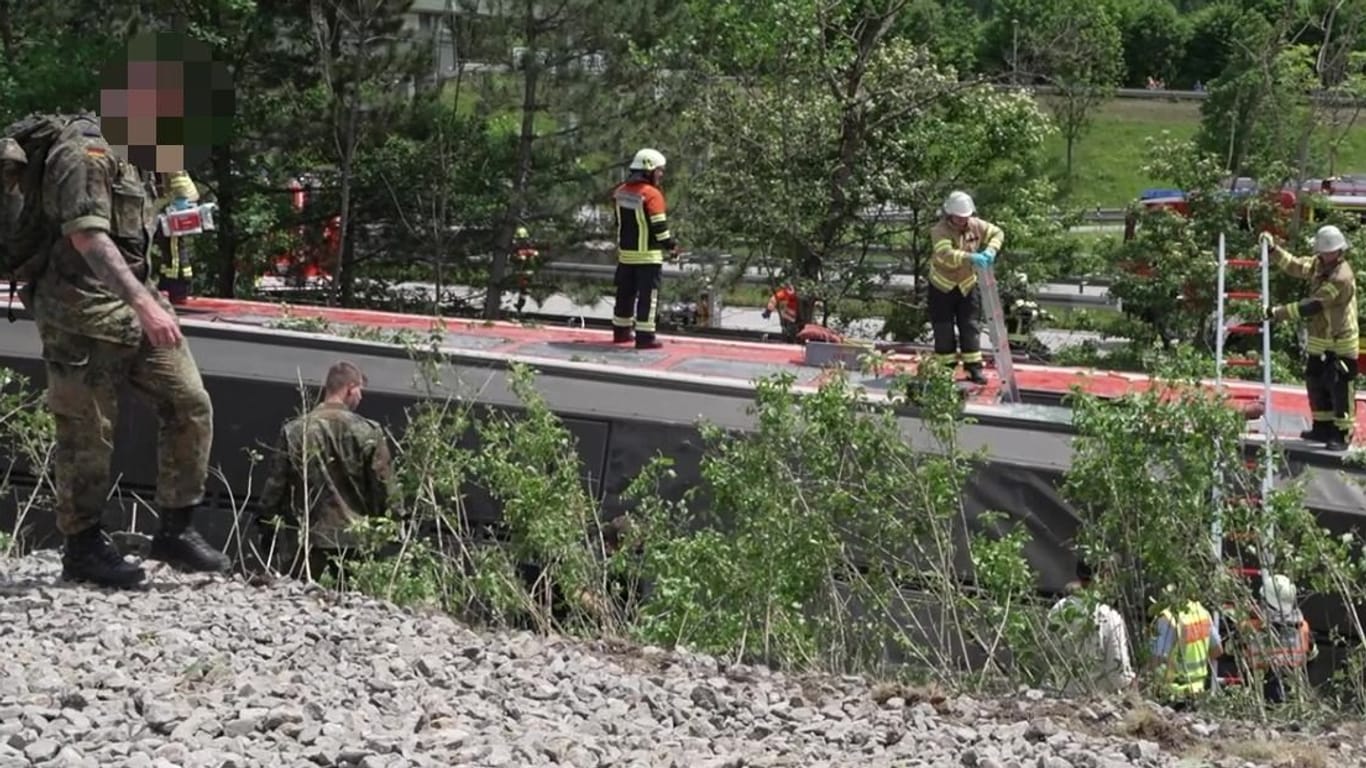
x,y
26,235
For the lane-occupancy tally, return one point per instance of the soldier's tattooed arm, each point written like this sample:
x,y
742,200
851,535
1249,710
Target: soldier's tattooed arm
x,y
108,264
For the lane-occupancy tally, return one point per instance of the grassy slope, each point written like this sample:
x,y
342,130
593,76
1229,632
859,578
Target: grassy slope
x,y
1109,160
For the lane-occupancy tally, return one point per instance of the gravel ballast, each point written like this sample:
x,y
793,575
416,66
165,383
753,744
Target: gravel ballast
x,y
212,672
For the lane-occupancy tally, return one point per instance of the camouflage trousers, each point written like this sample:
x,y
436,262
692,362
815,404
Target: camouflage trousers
x,y
84,376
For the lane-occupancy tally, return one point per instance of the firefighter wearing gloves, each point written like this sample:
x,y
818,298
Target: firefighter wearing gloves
x,y
643,238
961,243
1331,312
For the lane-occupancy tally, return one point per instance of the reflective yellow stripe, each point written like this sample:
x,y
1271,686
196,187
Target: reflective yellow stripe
x,y
938,280
971,357
648,324
640,257
1317,345
1329,290
658,217
1292,311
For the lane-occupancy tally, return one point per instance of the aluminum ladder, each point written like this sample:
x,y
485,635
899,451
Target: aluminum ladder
x,y
1223,329
1000,338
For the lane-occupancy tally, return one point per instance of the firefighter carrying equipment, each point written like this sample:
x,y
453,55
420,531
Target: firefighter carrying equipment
x,y
180,198
1188,661
1333,335
955,301
642,238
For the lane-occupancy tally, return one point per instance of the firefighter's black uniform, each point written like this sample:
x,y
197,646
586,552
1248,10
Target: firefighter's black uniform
x,y
955,298
1331,370
642,238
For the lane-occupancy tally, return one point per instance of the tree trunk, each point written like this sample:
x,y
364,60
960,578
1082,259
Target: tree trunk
x,y
346,279
227,228
7,29
1071,143
516,212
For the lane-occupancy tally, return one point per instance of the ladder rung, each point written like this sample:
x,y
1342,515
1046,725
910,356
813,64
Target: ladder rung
x,y
1247,263
1246,329
1242,362
1240,536
1244,295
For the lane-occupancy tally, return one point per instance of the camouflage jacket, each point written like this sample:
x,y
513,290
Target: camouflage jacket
x,y
331,467
85,186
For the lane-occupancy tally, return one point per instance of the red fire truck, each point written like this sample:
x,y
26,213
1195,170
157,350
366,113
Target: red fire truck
x,y
310,260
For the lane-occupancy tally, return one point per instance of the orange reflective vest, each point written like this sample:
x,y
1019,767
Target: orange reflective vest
x,y
1284,646
785,302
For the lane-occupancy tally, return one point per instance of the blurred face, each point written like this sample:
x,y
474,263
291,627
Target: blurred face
x,y
164,102
1330,257
657,177
958,222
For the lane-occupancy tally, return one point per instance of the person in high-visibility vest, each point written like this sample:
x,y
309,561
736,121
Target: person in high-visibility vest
x,y
960,241
1279,644
785,302
177,271
1331,311
1182,647
643,237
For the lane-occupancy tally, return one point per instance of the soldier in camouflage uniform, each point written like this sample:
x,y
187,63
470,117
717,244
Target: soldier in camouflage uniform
x,y
103,324
331,468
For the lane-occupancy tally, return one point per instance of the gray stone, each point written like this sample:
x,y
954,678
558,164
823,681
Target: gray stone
x,y
42,749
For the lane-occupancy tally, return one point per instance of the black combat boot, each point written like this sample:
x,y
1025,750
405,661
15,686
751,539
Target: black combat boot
x,y
88,556
975,374
622,335
179,545
1336,439
1319,432
648,341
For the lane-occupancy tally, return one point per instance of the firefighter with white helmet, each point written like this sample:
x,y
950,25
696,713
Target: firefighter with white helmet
x,y
525,257
1330,310
961,241
643,237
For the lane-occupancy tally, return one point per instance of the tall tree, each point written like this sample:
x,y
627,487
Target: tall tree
x,y
585,91
1154,37
1074,46
852,125
369,64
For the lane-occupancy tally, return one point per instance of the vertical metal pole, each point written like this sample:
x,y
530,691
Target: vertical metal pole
x,y
1219,319
1266,556
1217,527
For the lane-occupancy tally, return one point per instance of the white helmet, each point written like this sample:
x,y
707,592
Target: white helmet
x,y
1329,239
959,204
648,160
1279,595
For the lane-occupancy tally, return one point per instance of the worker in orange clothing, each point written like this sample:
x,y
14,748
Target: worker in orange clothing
x,y
1279,644
643,237
784,301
